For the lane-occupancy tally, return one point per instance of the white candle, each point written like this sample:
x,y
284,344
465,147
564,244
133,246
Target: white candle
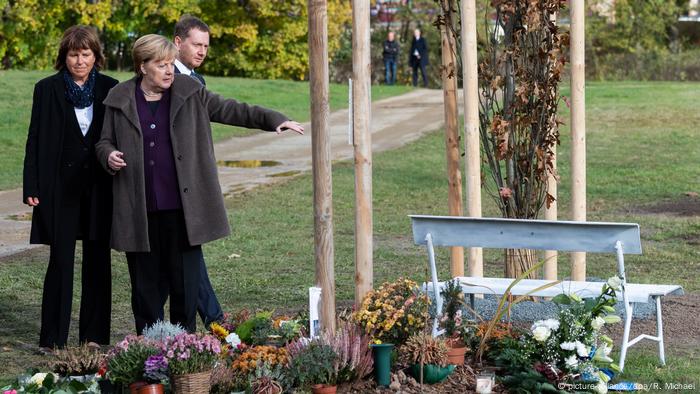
x,y
483,385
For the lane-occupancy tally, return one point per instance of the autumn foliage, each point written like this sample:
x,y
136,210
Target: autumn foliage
x,y
519,78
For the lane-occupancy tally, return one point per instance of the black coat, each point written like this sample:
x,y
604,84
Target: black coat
x,y
422,48
46,160
391,50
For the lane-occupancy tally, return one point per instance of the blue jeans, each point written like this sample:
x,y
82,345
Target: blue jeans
x,y
390,73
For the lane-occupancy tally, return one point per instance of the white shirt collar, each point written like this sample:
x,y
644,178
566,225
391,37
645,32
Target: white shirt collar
x,y
183,69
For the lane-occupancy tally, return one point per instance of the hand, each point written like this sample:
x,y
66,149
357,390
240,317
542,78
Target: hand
x,y
290,125
115,160
32,201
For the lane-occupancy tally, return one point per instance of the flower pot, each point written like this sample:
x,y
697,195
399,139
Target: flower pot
x,y
431,373
155,388
134,387
382,363
455,355
323,389
191,383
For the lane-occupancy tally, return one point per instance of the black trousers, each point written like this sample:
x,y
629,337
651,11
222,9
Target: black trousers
x,y
96,294
172,265
423,74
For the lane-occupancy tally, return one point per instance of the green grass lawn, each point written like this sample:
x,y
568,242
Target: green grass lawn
x,y
291,98
643,147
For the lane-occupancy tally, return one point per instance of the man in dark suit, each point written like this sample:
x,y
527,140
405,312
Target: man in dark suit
x,y
192,40
418,57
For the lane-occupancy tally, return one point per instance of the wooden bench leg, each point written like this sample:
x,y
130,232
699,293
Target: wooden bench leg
x,y
660,330
629,311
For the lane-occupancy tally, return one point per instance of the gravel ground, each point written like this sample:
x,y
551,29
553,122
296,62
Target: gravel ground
x,y
528,311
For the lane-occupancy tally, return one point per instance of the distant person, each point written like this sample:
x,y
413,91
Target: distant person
x,y
69,191
390,54
157,143
418,57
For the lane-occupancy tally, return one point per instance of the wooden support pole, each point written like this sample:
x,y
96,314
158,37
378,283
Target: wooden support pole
x,y
550,213
362,137
454,174
321,160
472,162
578,129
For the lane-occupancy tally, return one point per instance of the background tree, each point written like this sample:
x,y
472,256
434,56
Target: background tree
x,y
267,39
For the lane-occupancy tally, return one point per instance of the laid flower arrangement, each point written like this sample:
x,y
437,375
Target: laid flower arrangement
x,y
35,382
567,350
262,329
393,312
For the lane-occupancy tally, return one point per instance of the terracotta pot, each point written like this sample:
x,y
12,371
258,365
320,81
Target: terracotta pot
x,y
323,389
156,388
134,387
455,355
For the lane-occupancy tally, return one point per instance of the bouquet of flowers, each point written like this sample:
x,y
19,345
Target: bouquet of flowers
x,y
393,312
35,382
190,353
569,349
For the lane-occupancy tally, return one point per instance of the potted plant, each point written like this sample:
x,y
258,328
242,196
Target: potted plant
x,y
314,366
427,358
393,312
155,374
224,380
451,321
126,361
191,358
265,385
76,361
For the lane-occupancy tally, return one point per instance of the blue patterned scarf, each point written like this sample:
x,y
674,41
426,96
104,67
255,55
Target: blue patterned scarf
x,y
80,97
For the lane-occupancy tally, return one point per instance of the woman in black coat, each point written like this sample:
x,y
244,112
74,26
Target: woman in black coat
x,y
70,193
418,57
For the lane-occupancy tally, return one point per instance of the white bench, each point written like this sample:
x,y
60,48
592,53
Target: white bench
x,y
591,237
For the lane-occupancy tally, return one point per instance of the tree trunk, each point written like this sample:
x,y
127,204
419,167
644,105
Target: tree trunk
x,y
519,261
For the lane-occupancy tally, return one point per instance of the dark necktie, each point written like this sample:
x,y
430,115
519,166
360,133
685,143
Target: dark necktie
x,y
198,77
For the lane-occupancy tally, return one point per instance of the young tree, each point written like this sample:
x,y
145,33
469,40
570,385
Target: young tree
x,y
519,79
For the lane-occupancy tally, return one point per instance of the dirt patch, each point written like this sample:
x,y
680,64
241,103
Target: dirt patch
x,y
681,318
688,205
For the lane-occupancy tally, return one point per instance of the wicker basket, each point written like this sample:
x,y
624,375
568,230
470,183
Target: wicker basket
x,y
193,383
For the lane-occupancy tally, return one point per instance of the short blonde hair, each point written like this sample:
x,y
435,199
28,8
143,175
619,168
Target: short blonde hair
x,y
152,47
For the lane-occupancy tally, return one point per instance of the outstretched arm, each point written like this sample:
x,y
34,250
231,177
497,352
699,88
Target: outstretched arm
x,y
234,113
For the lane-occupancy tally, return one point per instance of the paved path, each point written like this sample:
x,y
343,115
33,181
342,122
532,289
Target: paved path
x,y
395,122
